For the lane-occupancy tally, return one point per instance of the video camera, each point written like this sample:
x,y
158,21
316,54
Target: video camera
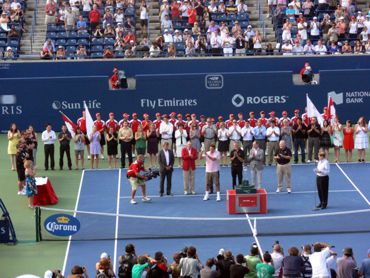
x,y
151,173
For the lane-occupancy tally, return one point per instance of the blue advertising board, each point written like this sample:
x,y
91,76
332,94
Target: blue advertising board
x,y
62,225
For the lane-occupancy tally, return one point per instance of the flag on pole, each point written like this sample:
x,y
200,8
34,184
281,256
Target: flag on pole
x,y
89,120
313,112
332,114
70,125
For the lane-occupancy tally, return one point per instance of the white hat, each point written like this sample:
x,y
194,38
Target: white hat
x,y
291,4
314,17
221,251
165,30
48,274
9,48
249,26
186,30
104,255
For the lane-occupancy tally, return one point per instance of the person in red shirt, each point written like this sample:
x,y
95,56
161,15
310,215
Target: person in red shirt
x,y
175,14
305,118
273,118
81,123
201,124
189,155
112,123
263,119
173,118
114,80
124,119
229,122
295,118
284,117
192,13
94,17
129,37
100,126
188,119
134,123
252,120
146,122
240,121
193,121
220,121
325,114
157,121
179,121
136,179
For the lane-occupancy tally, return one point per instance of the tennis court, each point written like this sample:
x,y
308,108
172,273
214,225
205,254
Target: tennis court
x,y
109,221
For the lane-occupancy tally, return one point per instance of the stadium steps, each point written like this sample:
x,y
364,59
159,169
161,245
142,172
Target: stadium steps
x,y
39,32
154,23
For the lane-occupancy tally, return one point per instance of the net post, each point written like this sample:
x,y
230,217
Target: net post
x,y
38,224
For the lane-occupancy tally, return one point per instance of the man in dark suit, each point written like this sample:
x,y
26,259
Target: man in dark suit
x,y
166,160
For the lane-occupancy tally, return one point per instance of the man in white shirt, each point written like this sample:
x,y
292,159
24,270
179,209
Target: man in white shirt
x,y
49,137
212,158
166,23
320,48
318,260
247,135
297,48
273,135
166,130
234,133
322,180
167,37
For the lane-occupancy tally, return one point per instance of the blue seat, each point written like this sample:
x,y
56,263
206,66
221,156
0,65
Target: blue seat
x,y
231,17
71,48
72,35
119,54
97,48
242,17
97,41
222,17
70,55
108,41
96,55
83,42
61,42
244,24
3,36
130,12
61,35
83,35
61,28
52,28
71,42
13,43
2,43
179,46
51,35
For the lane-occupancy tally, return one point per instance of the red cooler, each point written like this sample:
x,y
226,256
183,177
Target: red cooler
x,y
246,203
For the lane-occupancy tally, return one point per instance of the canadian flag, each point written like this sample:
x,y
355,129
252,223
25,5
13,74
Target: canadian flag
x,y
331,112
70,125
313,112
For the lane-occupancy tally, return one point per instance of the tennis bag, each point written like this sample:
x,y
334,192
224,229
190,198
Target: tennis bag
x,y
126,263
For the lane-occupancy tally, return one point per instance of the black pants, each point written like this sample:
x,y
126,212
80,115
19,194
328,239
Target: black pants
x,y
323,189
165,174
126,147
65,149
49,152
299,144
237,172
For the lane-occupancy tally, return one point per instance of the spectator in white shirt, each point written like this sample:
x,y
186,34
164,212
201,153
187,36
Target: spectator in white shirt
x,y
234,133
49,137
242,7
320,48
287,48
181,137
315,28
272,134
247,135
309,49
177,37
322,180
166,130
318,260
166,23
167,36
297,48
302,30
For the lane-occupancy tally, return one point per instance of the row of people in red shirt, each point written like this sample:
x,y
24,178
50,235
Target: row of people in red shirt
x,y
191,119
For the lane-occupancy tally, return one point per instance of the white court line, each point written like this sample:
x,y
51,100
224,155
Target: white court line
x,y
74,214
268,193
117,221
353,184
254,233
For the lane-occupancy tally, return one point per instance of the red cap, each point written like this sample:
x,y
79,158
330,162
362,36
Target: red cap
x,y
231,115
115,69
296,111
202,116
187,115
284,113
134,114
164,116
111,114
173,114
262,112
325,107
272,113
125,115
220,117
251,113
212,119
97,114
179,115
145,115
193,115
157,114
240,114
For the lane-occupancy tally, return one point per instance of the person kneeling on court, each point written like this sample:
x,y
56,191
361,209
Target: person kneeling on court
x,y
322,180
136,179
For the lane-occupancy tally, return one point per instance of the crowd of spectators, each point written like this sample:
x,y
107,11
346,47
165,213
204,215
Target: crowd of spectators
x,y
321,27
99,29
11,27
316,260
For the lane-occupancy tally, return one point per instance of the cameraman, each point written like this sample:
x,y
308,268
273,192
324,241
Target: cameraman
x,y
318,260
136,179
114,80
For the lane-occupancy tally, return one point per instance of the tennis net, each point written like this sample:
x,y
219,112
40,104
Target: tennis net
x,y
59,224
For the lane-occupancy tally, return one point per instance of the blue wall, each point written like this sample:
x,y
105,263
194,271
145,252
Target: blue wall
x,y
34,92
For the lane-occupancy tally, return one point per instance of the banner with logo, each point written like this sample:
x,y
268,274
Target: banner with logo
x,y
38,101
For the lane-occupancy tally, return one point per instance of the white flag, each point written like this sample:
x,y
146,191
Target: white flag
x,y
89,120
313,112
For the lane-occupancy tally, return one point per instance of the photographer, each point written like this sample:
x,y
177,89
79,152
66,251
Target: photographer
x,y
318,260
159,268
126,262
136,179
238,270
190,266
346,264
104,267
207,271
114,80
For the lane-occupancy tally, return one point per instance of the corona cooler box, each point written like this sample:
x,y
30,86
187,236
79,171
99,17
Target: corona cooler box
x,y
246,203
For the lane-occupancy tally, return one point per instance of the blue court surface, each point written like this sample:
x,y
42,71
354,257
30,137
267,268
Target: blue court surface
x,y
171,223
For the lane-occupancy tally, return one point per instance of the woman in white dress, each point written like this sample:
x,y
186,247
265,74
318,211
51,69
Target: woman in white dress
x,y
361,138
337,138
181,138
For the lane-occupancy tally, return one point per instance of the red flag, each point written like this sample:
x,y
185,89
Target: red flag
x,y
70,125
331,112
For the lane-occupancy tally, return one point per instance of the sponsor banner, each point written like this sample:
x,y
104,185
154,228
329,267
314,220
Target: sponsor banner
x,y
62,225
187,93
